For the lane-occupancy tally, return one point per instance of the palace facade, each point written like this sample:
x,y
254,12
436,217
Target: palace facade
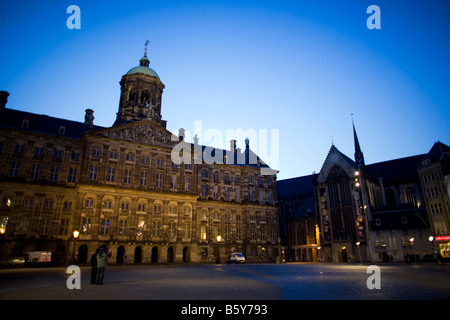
x,y
125,187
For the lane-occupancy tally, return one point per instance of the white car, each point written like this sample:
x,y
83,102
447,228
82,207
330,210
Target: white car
x,y
236,258
38,258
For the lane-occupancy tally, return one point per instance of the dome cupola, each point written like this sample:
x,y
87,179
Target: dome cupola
x,y
141,93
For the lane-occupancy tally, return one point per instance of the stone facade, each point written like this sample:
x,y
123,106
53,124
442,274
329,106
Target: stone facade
x,y
434,173
119,186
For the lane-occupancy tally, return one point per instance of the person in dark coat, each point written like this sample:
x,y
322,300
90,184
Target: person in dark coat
x,y
102,258
93,262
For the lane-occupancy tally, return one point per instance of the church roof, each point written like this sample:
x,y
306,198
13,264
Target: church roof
x,y
393,172
300,186
306,210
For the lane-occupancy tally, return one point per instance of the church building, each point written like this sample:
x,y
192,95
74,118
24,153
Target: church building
x,y
394,210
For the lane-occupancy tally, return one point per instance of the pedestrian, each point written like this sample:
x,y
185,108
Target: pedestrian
x,y
93,262
102,258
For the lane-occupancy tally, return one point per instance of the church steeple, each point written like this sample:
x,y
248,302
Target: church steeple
x,y
359,156
141,94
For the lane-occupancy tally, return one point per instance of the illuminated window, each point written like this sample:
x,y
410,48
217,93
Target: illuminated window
x,y
3,224
203,232
140,226
86,224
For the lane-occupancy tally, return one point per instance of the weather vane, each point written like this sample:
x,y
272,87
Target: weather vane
x,y
146,44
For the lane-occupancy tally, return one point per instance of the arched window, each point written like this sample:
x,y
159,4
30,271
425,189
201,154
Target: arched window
x,y
145,97
336,173
410,196
132,95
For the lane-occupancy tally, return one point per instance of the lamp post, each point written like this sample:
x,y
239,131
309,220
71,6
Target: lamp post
x,y
75,234
359,251
433,249
414,249
366,209
218,238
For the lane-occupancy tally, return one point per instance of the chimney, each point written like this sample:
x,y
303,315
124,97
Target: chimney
x,y
196,140
3,99
89,118
181,134
233,145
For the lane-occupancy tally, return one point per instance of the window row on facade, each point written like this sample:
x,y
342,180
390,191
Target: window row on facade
x,y
138,227
127,177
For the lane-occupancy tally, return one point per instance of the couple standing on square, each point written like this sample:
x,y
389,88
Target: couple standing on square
x,y
98,264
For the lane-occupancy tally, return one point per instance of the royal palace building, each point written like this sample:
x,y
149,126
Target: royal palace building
x,y
145,193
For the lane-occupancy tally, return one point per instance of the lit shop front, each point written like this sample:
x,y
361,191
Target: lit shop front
x,y
443,246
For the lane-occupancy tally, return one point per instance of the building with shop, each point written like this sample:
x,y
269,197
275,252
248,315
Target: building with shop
x,y
434,173
373,213
121,186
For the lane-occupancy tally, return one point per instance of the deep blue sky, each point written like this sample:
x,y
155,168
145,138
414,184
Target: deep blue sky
x,y
300,67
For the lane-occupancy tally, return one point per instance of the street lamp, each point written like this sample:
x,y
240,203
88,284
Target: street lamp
x,y
75,234
218,238
414,248
359,251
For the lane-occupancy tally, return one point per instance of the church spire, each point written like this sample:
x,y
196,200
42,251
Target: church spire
x,y
359,156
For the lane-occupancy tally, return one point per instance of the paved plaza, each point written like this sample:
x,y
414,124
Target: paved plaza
x,y
292,281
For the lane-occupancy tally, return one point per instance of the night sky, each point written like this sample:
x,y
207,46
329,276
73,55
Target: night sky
x,y
296,69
